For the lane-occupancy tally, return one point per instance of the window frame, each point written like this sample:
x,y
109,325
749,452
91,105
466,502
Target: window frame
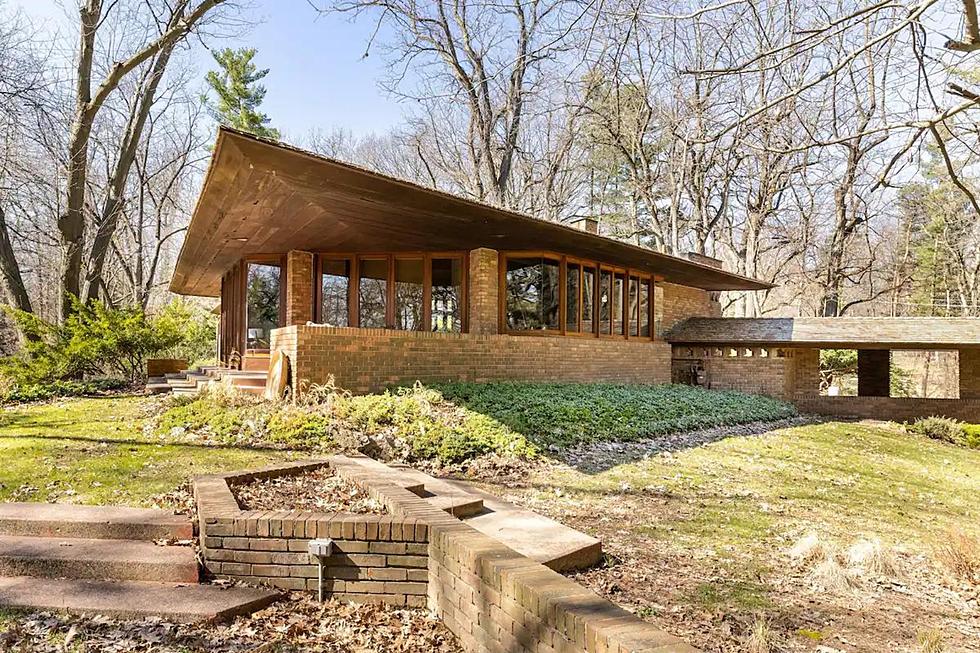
x,y
259,259
597,267
354,292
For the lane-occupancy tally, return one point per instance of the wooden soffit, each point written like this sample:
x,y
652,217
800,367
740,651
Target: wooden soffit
x,y
262,197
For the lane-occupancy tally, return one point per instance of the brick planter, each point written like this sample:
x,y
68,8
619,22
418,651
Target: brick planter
x,y
491,597
377,557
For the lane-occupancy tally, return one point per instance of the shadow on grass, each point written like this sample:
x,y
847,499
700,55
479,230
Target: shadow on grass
x,y
147,443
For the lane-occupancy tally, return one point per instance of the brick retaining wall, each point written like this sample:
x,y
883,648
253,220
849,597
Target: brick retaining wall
x,y
890,408
492,598
366,360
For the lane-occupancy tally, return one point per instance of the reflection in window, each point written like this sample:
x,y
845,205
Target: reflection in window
x,y
409,294
572,285
262,304
619,283
644,308
372,293
447,295
532,294
634,306
335,293
605,300
588,299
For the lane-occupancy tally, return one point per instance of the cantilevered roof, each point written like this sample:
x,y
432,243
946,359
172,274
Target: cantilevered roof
x,y
830,332
263,197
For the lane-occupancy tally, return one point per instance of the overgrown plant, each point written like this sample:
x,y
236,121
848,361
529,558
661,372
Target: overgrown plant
x,y
948,430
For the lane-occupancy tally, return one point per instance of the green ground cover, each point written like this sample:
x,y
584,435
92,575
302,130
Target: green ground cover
x,y
96,450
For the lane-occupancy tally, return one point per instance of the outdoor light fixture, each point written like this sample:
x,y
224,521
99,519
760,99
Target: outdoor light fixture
x,y
321,550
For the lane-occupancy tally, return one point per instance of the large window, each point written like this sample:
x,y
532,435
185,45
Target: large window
x,y
556,294
533,292
262,295
447,295
372,293
412,292
409,294
335,292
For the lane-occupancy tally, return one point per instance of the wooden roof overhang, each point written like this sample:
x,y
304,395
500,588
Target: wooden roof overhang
x,y
263,197
831,332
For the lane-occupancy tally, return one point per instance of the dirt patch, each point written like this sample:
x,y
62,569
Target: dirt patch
x,y
319,490
293,625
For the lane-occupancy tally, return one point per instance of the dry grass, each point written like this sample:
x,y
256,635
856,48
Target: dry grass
x,y
959,554
760,638
808,549
830,576
930,641
872,557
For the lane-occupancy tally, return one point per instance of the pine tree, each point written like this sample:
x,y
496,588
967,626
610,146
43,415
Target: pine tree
x,y
238,92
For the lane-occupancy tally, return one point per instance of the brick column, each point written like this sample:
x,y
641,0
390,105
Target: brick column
x,y
299,287
483,294
804,369
969,373
874,374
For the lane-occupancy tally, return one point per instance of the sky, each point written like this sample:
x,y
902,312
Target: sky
x,y
318,76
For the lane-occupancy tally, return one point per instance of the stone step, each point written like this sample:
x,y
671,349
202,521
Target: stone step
x,y
542,539
132,599
101,559
93,522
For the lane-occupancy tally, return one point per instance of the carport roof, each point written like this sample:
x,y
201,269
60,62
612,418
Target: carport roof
x,y
832,332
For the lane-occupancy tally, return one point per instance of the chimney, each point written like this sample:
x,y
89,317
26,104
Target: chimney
x,y
704,260
589,224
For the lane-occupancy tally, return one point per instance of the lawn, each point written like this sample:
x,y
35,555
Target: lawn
x,y
699,538
97,451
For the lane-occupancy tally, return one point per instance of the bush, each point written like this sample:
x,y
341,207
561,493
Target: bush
x,y
948,430
192,328
43,392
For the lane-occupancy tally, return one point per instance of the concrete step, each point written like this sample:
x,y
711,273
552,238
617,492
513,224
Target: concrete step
x,y
440,494
247,381
101,559
157,388
132,599
552,544
93,522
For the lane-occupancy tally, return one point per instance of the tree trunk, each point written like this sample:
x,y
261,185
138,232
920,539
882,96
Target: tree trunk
x,y
12,278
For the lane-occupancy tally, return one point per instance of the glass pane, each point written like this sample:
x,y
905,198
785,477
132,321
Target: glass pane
x,y
447,295
634,303
619,282
644,309
574,274
532,294
588,299
335,293
262,304
408,294
372,293
605,298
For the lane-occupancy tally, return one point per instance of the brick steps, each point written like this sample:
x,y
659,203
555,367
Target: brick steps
x,y
83,558
93,522
190,382
131,599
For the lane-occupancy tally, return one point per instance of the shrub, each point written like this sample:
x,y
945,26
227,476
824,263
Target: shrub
x,y
43,392
948,430
299,428
192,330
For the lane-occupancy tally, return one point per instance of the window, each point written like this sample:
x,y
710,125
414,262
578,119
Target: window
x,y
372,293
605,301
447,295
335,292
618,304
532,294
639,307
262,291
634,306
409,294
573,284
588,299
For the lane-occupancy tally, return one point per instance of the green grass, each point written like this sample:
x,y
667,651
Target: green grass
x,y
97,451
568,413
741,502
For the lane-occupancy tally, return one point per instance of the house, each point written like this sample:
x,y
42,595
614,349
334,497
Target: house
x,y
370,281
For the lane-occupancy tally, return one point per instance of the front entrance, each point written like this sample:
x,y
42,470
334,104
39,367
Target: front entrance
x,y
251,307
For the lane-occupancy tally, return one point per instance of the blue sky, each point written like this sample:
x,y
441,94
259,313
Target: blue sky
x,y
317,77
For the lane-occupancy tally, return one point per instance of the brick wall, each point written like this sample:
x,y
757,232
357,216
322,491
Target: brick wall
x,y
377,558
365,360
890,408
483,291
299,287
676,303
970,374
755,370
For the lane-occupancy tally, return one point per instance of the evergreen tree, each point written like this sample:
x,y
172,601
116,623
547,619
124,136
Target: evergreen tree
x,y
238,92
